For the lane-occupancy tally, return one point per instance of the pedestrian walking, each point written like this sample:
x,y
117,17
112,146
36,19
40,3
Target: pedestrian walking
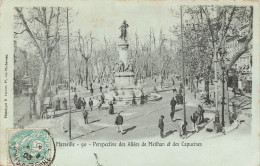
x,y
119,122
84,103
90,103
74,89
173,104
64,102
85,116
200,111
58,104
111,108
161,126
194,119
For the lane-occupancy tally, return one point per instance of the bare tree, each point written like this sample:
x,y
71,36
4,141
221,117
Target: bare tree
x,y
42,26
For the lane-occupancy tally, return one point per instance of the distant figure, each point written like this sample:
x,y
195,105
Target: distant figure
x,y
103,98
119,122
74,89
142,98
90,103
114,100
194,119
64,102
75,98
173,104
79,103
133,100
99,105
58,104
200,111
161,126
100,88
85,116
91,91
84,103
111,108
90,85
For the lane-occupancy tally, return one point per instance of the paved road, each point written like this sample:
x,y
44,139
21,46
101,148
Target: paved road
x,y
139,121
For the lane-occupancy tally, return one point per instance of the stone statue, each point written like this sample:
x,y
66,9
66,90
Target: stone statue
x,y
123,28
129,67
121,66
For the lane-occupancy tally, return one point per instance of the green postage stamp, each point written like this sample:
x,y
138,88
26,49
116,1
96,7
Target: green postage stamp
x,y
30,147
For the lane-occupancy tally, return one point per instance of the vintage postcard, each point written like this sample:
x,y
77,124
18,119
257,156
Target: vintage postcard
x,y
129,83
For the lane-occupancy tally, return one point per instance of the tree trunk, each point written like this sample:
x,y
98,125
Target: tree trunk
x,y
86,60
207,100
41,91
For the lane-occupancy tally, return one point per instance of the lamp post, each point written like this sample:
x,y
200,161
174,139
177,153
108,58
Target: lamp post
x,y
223,91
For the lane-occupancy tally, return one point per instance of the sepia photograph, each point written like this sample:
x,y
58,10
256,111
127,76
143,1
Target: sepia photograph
x,y
129,83
127,77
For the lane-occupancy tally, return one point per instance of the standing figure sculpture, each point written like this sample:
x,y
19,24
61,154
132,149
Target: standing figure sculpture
x,y
123,28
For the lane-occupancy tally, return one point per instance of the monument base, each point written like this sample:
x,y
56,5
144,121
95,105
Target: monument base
x,y
124,79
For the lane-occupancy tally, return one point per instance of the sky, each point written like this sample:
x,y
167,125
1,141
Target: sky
x,y
103,19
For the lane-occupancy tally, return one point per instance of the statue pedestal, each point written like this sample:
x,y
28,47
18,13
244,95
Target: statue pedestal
x,y
124,79
122,49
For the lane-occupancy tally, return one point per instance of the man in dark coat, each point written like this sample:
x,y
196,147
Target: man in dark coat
x,y
200,111
161,126
173,104
103,98
64,102
58,104
194,119
90,103
119,122
84,103
79,103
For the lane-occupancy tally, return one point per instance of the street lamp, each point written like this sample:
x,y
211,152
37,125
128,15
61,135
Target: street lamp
x,y
223,90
